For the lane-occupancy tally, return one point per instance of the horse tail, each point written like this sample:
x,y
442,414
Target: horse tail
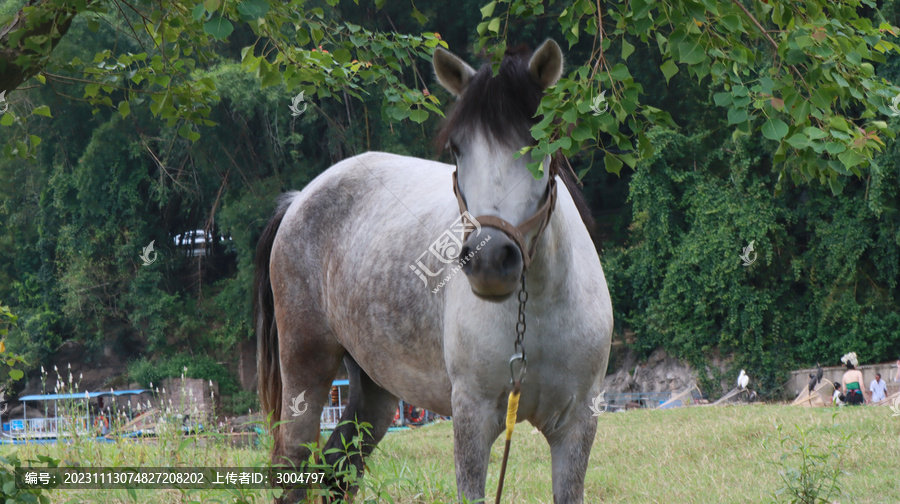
x,y
268,362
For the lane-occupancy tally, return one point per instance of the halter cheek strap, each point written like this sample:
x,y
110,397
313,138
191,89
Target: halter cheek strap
x,y
539,220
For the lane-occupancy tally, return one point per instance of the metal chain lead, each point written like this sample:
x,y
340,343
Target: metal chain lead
x,y
519,346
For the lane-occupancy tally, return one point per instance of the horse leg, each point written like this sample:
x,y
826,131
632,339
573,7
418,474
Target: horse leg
x,y
570,448
370,404
476,424
308,367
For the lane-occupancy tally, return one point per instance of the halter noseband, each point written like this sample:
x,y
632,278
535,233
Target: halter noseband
x,y
540,219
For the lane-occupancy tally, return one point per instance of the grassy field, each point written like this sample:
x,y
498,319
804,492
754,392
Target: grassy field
x,y
689,455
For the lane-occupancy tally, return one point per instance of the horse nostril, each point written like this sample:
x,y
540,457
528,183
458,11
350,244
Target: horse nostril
x,y
464,259
509,257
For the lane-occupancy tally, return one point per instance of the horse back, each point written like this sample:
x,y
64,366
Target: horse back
x,y
341,261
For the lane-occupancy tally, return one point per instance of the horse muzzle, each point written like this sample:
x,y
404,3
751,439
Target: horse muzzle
x,y
492,263
495,265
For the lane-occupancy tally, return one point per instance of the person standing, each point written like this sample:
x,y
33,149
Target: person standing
x,y
877,389
897,376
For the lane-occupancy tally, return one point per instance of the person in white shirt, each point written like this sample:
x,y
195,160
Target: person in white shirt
x,y
837,398
878,389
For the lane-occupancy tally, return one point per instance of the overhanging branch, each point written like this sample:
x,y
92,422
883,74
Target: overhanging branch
x,y
45,18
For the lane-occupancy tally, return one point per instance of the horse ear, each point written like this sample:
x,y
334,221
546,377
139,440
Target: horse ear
x,y
546,65
453,73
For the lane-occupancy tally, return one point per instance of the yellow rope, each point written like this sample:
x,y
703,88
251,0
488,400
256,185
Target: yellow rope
x,y
511,411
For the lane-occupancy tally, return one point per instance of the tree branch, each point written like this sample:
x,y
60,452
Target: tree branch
x,y
769,38
19,63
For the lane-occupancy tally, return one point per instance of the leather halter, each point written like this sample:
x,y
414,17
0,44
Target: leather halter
x,y
539,220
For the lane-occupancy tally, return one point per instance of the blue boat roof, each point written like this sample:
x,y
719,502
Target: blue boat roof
x,y
59,397
338,383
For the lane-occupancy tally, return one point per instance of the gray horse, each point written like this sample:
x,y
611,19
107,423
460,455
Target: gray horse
x,y
341,268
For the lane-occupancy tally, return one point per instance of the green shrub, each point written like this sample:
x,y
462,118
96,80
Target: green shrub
x,y
145,371
242,401
9,491
809,468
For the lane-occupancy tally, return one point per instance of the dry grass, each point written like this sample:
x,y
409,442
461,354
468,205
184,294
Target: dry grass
x,y
689,455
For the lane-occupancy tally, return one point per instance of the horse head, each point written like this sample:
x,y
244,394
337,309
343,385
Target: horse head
x,y
489,124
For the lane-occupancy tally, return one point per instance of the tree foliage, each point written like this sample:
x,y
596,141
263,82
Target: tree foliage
x,y
803,74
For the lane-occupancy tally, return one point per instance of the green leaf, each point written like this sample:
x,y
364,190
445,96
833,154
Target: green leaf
x,y
16,374
627,49
7,119
582,132
303,36
198,12
488,10
732,23
850,158
536,168
798,141
736,116
620,72
124,108
211,5
342,56
218,28
722,99
774,129
419,16
612,163
814,133
494,25
836,186
669,68
398,113
835,147
800,111
43,110
647,149
253,9
417,115
691,52
317,34
268,75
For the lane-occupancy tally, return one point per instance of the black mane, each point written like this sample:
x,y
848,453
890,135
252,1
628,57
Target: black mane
x,y
502,106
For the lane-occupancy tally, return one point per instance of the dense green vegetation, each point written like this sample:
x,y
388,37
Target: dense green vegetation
x,y
147,372
825,277
84,191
